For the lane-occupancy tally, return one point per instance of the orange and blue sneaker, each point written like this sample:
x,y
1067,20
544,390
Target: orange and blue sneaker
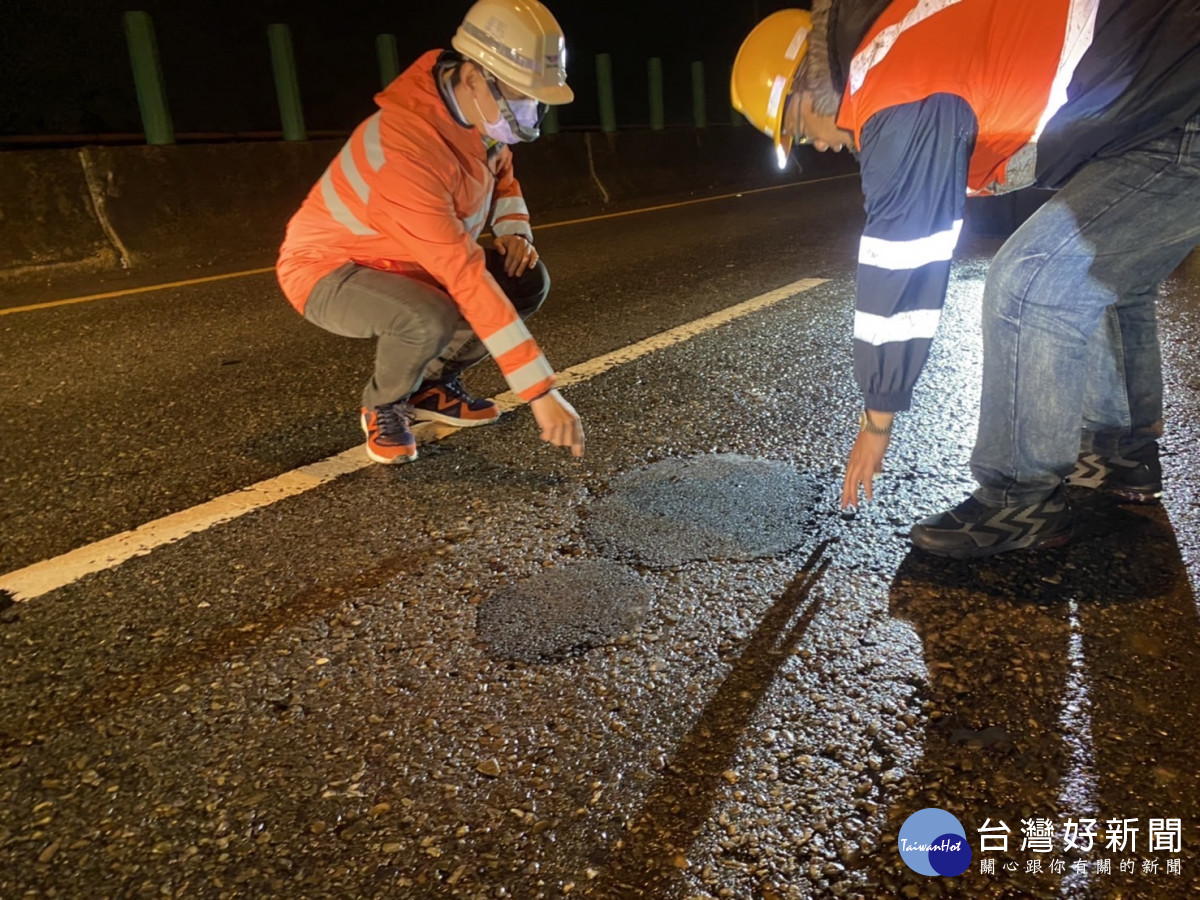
x,y
449,403
389,440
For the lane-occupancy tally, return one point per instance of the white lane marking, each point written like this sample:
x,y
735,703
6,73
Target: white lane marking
x,y
601,364
41,578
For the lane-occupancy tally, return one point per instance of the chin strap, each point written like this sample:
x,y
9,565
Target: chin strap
x,y
527,135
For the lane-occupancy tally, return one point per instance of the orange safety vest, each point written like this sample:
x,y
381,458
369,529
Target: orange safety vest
x,y
1010,60
410,193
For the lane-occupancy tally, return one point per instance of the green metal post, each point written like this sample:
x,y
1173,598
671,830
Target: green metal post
x,y
658,116
148,79
604,82
287,84
389,58
699,105
550,121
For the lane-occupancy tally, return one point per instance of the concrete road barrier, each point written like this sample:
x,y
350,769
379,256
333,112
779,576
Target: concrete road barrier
x,y
205,204
47,214
139,207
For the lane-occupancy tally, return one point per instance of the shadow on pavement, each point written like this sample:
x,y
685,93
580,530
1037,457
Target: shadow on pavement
x,y
648,861
1061,685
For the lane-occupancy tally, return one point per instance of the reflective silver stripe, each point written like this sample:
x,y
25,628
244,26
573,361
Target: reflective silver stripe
x,y
350,170
371,143
338,209
510,337
776,98
798,40
1081,25
905,326
530,375
474,223
872,55
512,54
899,256
510,206
513,226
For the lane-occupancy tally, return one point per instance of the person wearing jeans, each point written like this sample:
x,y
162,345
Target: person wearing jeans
x,y
1095,99
387,243
1069,319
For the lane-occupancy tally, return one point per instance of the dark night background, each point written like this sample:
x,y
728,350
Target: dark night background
x,y
64,66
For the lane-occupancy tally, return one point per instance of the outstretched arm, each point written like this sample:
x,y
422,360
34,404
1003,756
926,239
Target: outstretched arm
x,y
914,163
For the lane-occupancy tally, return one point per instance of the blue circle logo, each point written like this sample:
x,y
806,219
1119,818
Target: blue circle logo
x,y
933,842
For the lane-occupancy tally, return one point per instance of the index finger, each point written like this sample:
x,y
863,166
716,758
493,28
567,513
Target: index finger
x,y
849,495
849,489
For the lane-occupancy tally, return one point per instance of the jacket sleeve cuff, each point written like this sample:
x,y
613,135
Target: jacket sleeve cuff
x,y
513,226
891,403
529,380
538,391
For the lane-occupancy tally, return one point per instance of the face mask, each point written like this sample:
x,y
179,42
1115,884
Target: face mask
x,y
524,111
499,130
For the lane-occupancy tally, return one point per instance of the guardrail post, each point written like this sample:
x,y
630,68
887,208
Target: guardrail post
x,y
148,79
658,116
699,104
287,83
389,58
604,82
550,121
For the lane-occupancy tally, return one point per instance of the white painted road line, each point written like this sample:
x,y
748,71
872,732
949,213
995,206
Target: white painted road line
x,y
41,578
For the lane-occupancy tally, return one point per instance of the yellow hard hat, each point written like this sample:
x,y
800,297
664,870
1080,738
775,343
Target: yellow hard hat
x,y
521,43
764,70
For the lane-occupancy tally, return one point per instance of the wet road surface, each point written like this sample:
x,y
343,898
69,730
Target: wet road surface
x,y
311,701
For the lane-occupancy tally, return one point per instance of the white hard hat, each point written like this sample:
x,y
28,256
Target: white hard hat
x,y
521,43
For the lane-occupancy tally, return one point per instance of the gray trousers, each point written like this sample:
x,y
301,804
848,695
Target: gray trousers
x,y
420,334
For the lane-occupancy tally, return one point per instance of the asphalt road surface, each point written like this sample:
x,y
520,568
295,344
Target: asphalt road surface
x,y
668,670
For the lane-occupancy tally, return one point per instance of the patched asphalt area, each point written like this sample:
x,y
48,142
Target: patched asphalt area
x,y
563,612
717,507
299,703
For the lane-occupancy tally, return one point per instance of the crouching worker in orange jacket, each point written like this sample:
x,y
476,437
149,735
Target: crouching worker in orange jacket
x,y
386,245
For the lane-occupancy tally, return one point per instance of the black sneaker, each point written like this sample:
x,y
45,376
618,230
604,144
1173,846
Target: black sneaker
x,y
972,530
1133,479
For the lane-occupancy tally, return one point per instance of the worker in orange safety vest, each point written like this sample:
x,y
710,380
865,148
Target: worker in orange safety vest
x,y
386,245
1098,100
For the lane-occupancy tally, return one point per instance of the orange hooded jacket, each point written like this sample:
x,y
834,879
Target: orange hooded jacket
x,y
410,193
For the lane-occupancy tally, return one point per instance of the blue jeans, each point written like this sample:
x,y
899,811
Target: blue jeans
x,y
1070,337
